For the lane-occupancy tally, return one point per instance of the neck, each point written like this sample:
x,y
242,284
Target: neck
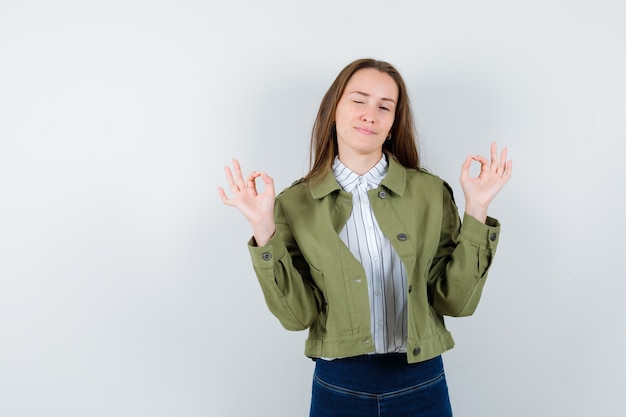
x,y
360,164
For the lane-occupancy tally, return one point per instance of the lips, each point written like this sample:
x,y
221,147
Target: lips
x,y
365,131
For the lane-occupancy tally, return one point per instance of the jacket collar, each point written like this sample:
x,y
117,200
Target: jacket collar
x,y
395,181
349,179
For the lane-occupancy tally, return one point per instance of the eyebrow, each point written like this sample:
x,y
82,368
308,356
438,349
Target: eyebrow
x,y
368,95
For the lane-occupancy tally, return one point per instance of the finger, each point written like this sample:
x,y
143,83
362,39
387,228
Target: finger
x,y
465,168
503,162
231,181
494,157
484,163
238,175
269,183
251,182
223,196
509,170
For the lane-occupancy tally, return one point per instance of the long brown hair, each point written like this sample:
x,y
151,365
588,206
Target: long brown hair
x,y
403,143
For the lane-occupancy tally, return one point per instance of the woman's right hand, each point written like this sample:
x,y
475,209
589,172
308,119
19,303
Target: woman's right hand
x,y
257,208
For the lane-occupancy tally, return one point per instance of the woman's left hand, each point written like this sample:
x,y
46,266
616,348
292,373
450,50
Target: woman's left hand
x,y
481,190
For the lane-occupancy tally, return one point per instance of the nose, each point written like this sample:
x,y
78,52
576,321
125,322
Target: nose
x,y
368,115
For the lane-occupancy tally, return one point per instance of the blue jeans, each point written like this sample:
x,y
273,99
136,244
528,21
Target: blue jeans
x,y
380,386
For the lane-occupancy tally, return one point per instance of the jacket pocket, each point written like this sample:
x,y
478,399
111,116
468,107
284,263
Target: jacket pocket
x,y
319,291
437,320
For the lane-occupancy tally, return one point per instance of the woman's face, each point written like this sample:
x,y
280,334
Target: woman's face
x,y
365,114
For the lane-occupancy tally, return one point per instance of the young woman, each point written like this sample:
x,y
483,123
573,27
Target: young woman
x,y
368,251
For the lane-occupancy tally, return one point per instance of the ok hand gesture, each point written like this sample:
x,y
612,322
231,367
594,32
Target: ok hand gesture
x,y
481,190
257,208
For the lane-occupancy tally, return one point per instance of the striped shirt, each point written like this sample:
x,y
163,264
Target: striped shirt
x,y
385,273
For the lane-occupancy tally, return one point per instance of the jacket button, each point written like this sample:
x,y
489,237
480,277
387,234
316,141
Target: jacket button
x,y
402,236
493,237
382,194
267,256
417,351
410,288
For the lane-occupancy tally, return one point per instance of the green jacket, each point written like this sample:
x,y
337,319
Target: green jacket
x,y
310,279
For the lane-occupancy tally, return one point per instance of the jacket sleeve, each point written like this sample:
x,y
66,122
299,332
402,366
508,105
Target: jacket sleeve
x,y
285,278
465,253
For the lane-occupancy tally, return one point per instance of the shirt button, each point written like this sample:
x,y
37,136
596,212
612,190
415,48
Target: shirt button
x,y
267,256
382,194
417,351
493,237
402,236
377,292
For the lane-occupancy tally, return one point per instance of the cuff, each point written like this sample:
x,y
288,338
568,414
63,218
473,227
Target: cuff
x,y
264,256
484,234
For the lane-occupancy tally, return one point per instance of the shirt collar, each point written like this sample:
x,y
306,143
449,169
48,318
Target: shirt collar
x,y
348,179
395,181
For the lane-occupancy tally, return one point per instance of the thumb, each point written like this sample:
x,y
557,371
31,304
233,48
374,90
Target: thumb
x,y
465,169
269,183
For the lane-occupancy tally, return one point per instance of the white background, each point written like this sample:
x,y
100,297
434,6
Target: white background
x,y
125,283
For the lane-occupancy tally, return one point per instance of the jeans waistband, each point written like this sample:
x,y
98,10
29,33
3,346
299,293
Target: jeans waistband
x,y
377,373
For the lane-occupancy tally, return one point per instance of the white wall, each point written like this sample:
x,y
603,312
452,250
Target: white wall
x,y
125,284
